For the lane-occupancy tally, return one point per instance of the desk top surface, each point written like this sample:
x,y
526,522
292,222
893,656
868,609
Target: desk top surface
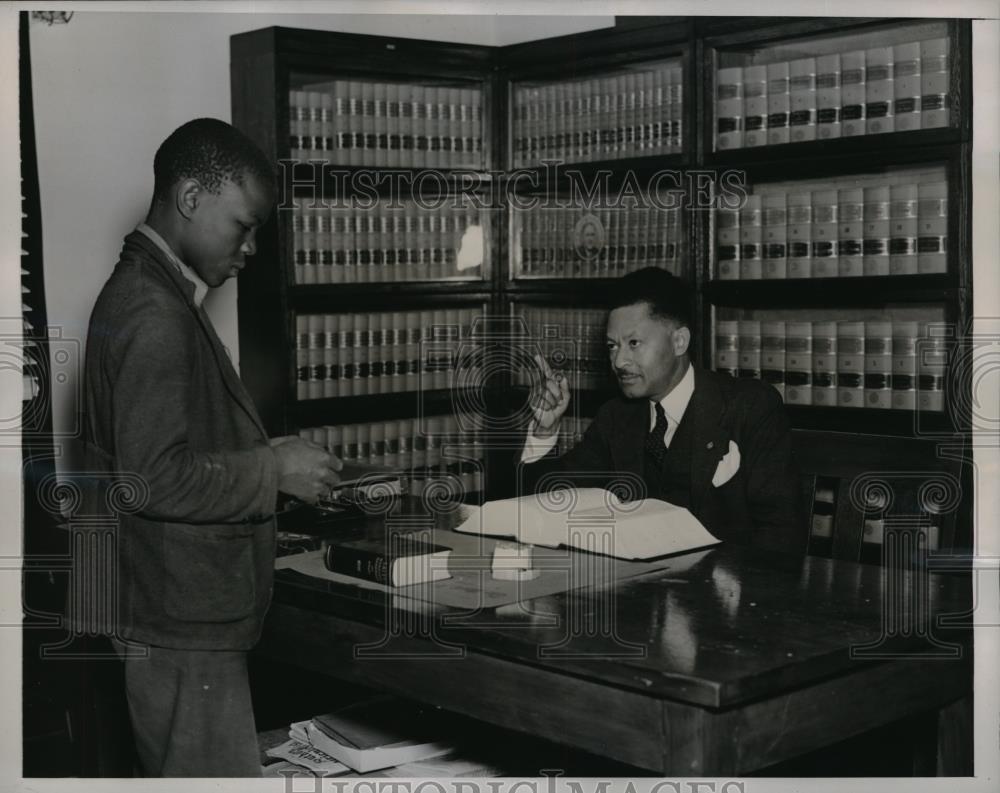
x,y
733,625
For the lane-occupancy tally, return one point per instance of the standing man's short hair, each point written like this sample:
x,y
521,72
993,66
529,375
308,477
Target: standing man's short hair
x,y
667,295
212,152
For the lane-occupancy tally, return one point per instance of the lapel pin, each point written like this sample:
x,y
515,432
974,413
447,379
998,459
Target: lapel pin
x,y
710,444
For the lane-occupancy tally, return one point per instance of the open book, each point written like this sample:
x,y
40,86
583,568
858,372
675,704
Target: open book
x,y
591,519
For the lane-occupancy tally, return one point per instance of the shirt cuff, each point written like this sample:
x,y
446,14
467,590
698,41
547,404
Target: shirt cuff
x,y
536,448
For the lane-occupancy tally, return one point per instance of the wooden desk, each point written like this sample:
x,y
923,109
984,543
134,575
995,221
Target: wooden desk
x,y
739,662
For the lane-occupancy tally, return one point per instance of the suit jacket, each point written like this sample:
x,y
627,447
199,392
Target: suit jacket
x,y
180,460
758,505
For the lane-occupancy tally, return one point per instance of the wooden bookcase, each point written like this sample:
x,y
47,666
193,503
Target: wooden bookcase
x,y
565,74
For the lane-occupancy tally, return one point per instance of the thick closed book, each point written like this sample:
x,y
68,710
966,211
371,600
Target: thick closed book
x,y
378,733
595,520
399,560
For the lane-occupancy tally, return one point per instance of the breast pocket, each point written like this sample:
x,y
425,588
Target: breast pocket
x,y
209,575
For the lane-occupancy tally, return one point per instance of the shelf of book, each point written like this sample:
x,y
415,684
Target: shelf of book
x,y
896,82
442,120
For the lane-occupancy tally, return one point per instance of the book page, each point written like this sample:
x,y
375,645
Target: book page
x,y
594,520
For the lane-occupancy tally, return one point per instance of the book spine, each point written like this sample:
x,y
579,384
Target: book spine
x,y
903,226
935,82
342,133
802,99
850,363
749,341
317,371
850,235
825,261
315,126
852,93
751,238
875,245
798,363
904,365
879,91
799,234
345,352
676,82
828,96
302,356
754,106
773,354
906,86
775,247
729,108
330,362
824,363
359,563
878,364
932,239
727,345
298,111
932,363
778,103
298,246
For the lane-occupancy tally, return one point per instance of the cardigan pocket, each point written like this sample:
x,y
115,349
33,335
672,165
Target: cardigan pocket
x,y
209,575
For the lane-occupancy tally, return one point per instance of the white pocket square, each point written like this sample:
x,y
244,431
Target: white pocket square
x,y
728,466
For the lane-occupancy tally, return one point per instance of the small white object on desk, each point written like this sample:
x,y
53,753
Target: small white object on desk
x,y
512,562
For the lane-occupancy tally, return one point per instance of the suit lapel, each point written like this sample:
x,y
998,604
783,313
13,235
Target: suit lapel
x,y
628,441
709,443
186,291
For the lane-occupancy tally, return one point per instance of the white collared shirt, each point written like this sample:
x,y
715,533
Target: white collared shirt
x,y
200,287
674,405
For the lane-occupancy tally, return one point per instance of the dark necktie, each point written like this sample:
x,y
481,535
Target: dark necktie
x,y
654,441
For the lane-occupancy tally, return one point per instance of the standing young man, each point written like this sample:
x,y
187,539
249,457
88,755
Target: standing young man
x,y
194,563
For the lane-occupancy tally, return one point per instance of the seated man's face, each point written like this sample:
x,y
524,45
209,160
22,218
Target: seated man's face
x,y
648,353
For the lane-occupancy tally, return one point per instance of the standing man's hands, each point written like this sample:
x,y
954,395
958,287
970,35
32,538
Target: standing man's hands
x,y
549,400
305,470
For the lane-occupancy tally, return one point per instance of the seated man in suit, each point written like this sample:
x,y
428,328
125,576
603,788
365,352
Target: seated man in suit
x,y
719,446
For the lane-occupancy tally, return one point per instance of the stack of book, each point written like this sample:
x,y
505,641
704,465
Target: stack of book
x,y
387,243
367,736
572,340
884,364
870,224
430,449
406,125
560,242
386,352
628,114
832,95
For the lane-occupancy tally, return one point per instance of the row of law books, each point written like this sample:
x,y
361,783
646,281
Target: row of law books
x,y
873,531
385,352
563,243
424,450
404,125
899,365
386,245
572,341
860,92
633,114
874,225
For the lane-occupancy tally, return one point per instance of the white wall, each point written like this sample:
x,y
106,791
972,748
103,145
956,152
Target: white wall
x,y
109,87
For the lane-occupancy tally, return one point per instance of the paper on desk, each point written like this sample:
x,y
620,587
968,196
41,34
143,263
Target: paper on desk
x,y
473,586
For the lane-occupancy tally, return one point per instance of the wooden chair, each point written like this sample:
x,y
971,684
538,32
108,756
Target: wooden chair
x,y
854,486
